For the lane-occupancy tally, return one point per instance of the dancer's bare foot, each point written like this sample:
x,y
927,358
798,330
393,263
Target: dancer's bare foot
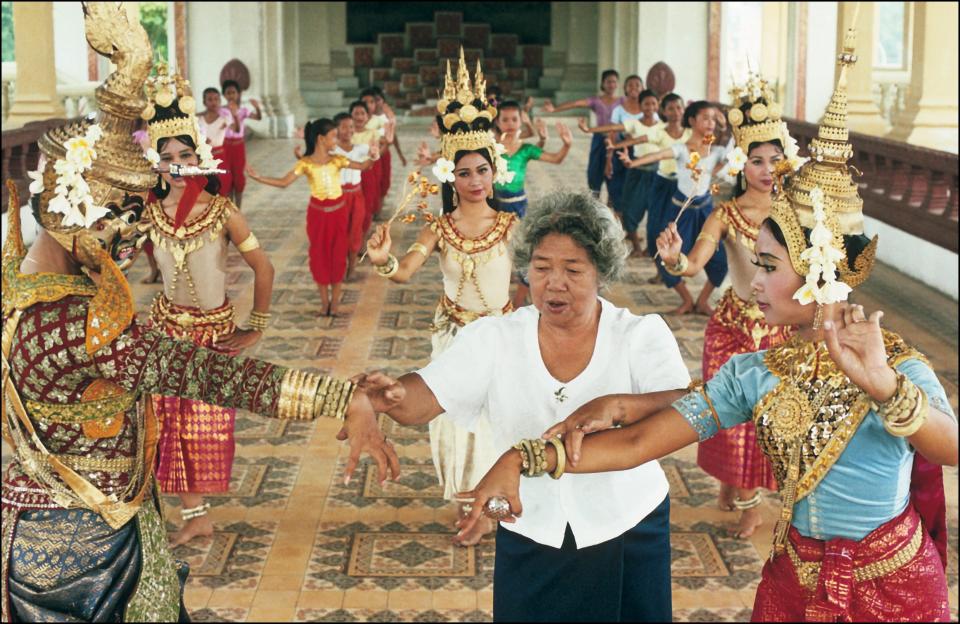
x,y
685,308
153,278
196,527
750,519
725,499
704,309
637,253
334,310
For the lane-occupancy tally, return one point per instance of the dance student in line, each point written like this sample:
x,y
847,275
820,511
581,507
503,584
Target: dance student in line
x,y
368,130
471,238
234,144
214,122
350,185
600,161
192,228
644,131
737,325
628,110
328,213
377,105
697,160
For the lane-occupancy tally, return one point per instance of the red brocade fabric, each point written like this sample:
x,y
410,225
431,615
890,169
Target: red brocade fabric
x,y
915,592
733,456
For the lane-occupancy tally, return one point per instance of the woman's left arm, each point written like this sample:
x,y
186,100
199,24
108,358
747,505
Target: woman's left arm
x,y
557,157
263,273
856,346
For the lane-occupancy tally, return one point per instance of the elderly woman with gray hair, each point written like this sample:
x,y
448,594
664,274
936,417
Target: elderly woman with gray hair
x,y
590,546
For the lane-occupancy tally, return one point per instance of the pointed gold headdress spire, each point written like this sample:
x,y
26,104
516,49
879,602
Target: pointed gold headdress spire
x,y
460,109
823,194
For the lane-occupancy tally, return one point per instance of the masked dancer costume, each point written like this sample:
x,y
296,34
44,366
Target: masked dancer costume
x,y
82,534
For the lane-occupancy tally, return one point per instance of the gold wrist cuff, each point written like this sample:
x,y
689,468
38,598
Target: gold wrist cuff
x,y
679,268
298,394
249,244
561,458
906,411
389,269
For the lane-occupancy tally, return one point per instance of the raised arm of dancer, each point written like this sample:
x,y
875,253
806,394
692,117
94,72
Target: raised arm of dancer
x,y
669,243
263,272
257,114
585,127
378,250
644,160
611,145
550,107
363,165
541,127
283,182
558,156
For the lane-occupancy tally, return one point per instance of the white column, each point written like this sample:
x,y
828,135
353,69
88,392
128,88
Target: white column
x,y
36,90
677,34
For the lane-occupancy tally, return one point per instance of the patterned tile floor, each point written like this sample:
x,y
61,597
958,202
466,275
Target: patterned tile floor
x,y
294,543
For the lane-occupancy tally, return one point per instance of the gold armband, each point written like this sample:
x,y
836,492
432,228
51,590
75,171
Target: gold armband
x,y
305,396
419,248
389,269
679,268
709,237
249,244
258,321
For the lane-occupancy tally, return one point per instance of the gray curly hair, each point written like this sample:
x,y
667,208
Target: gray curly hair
x,y
581,217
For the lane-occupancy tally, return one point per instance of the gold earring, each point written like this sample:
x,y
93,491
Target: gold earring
x,y
818,317
455,201
743,182
163,185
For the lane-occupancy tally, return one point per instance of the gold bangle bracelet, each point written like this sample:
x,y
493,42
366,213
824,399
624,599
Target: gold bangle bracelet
x,y
709,237
561,458
389,269
679,268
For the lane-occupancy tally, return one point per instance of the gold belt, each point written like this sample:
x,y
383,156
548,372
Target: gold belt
x,y
167,313
462,316
808,572
82,411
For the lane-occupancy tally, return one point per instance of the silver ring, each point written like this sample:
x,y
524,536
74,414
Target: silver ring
x,y
497,508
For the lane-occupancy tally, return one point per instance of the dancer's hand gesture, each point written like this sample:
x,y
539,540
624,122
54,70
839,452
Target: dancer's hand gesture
x,y
669,244
595,415
363,432
378,247
624,157
501,480
541,127
385,392
856,346
565,135
375,149
251,172
297,152
548,106
582,124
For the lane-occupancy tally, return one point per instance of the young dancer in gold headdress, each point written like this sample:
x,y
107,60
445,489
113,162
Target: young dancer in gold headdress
x,y
82,535
842,410
737,325
471,237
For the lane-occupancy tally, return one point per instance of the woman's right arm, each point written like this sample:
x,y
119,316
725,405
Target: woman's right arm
x,y
549,107
645,160
378,248
669,243
283,182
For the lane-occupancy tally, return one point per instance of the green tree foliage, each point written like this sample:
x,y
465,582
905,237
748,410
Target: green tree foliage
x,y
7,19
153,16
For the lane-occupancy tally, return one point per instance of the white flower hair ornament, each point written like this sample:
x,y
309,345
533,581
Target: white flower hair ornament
x,y
791,151
152,156
443,170
503,174
72,196
736,160
205,152
822,257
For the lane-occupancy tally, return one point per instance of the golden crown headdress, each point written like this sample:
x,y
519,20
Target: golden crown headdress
x,y
763,121
459,108
823,190
162,89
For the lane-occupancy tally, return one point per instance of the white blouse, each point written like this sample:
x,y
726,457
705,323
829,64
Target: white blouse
x,y
357,154
495,362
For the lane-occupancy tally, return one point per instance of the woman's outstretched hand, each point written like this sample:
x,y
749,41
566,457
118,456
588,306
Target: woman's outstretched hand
x,y
378,247
596,415
501,480
363,432
384,392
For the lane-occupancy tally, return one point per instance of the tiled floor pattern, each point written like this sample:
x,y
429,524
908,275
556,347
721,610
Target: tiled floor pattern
x,y
296,543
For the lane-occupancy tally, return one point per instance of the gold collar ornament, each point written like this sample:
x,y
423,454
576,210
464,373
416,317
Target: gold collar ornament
x,y
466,119
824,198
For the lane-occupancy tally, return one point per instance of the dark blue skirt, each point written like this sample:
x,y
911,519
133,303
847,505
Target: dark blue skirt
x,y
596,162
512,202
625,579
658,198
689,226
616,183
636,190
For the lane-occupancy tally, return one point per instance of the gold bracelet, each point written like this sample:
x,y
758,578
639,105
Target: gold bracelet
x,y
258,320
679,268
906,411
561,458
285,400
524,458
389,269
419,248
249,244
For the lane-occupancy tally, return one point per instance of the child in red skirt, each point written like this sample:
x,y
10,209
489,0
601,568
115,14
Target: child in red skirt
x,y
350,184
235,149
328,213
214,122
